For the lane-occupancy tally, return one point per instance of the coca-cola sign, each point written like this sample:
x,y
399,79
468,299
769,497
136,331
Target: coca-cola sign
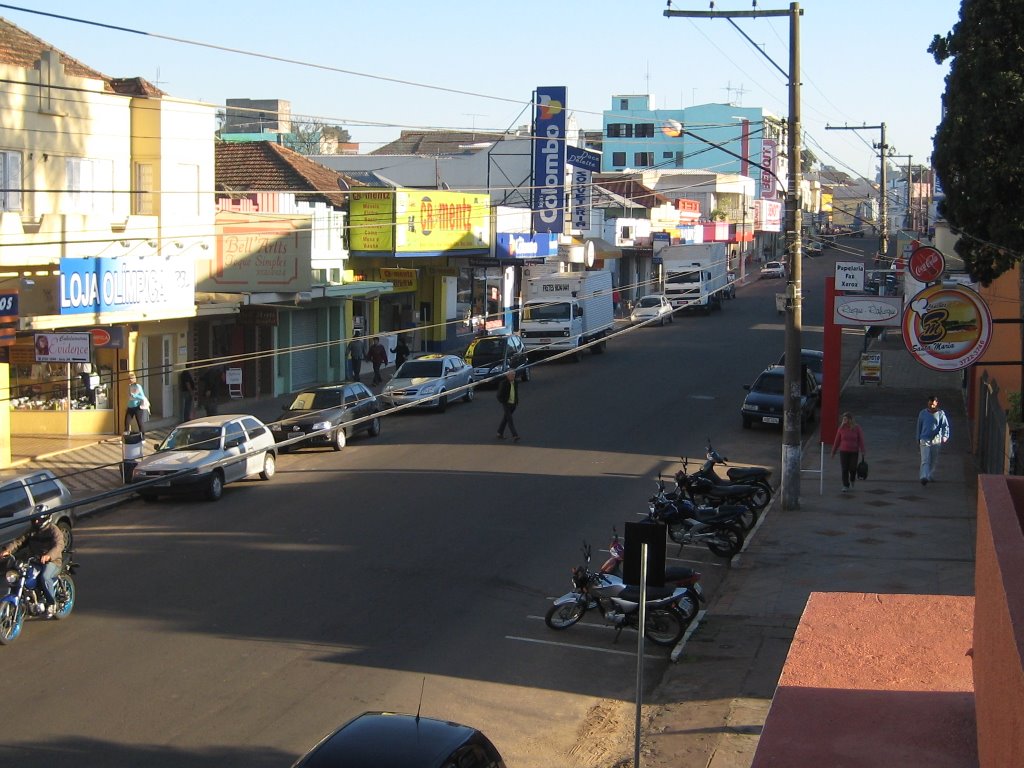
x,y
927,264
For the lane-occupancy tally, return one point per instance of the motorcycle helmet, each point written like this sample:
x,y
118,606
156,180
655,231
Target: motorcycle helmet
x,y
39,522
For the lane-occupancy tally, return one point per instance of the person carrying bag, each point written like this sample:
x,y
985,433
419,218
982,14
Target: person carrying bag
x,y
849,443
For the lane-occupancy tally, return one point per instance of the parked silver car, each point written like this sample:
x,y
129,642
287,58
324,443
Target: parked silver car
x,y
217,450
430,381
19,495
653,309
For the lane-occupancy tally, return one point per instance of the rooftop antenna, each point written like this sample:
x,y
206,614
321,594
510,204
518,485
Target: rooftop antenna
x,y
423,684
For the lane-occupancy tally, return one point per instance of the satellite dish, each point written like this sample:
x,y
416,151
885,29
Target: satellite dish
x,y
672,128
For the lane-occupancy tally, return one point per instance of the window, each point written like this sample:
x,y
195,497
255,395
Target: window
x,y
89,185
254,428
43,487
643,158
644,130
623,103
666,155
143,202
13,499
620,130
10,181
233,434
619,159
680,160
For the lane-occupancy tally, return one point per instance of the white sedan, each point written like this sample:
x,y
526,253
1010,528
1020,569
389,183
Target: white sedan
x,y
651,309
205,454
773,269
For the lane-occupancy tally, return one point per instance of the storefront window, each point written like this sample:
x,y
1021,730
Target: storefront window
x,y
46,386
479,299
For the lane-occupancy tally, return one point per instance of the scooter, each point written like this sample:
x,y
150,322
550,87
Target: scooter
x,y
741,475
619,604
718,528
25,595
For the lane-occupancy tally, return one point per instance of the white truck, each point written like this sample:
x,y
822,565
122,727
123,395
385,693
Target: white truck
x,y
564,311
695,277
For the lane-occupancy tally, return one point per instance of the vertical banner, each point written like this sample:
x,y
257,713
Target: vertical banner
x,y
584,163
768,181
549,160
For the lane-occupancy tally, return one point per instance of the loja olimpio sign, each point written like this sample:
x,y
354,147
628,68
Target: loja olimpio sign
x,y
947,328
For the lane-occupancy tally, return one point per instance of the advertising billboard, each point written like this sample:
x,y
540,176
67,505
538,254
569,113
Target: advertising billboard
x,y
523,245
418,222
259,255
549,159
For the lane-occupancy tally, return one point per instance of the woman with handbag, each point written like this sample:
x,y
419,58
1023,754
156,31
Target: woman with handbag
x,y
138,406
850,443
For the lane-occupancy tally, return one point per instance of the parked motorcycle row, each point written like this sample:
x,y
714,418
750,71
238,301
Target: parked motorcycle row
x,y
703,509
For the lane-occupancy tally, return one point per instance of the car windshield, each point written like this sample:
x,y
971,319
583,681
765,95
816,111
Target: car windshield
x,y
557,311
771,385
315,401
192,439
773,265
488,349
650,301
419,369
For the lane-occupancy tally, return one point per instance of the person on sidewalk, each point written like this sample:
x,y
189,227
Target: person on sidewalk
x,y
932,433
508,396
850,443
357,353
378,356
187,384
401,351
137,408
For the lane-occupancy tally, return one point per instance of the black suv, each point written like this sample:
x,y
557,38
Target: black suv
x,y
491,356
327,414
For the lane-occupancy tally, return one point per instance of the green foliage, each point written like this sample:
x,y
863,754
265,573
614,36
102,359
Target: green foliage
x,y
978,155
1013,413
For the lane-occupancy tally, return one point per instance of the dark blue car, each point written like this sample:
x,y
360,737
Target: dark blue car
x,y
765,401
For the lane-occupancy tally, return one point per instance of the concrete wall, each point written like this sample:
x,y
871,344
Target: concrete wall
x,y
998,657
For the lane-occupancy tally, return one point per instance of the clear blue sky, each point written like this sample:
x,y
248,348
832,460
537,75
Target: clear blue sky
x,y
863,61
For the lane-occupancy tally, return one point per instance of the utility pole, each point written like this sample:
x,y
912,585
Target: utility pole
x,y
910,191
791,445
883,199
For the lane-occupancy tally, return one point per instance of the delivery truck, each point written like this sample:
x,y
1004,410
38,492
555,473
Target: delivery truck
x,y
564,311
695,276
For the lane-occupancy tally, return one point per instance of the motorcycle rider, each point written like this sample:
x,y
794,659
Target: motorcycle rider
x,y
44,541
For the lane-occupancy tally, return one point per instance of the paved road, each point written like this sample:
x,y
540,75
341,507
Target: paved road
x,y
238,633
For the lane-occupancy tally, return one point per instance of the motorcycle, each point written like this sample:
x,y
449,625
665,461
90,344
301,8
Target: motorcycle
x,y
25,595
756,476
718,528
619,605
679,577
702,490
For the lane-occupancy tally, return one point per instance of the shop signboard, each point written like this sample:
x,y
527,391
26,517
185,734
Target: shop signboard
x,y
8,319
437,222
372,221
63,347
584,163
871,368
259,255
402,280
549,159
155,285
523,245
947,328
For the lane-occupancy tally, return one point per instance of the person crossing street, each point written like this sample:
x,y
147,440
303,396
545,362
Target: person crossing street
x,y
508,396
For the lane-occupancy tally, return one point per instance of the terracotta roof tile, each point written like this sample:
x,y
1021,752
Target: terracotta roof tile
x,y
21,49
263,166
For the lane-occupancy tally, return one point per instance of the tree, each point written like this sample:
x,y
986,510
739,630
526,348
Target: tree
x,y
807,160
312,137
977,146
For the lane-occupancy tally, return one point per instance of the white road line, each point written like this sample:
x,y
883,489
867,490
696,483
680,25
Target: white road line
x,y
580,647
681,645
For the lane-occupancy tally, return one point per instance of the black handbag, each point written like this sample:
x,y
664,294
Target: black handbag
x,y
862,470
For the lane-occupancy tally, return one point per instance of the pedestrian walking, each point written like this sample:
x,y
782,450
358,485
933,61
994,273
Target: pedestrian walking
x,y
849,443
400,351
138,407
932,433
378,356
357,353
187,384
508,396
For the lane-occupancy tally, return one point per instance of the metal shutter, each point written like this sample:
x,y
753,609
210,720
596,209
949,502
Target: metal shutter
x,y
303,361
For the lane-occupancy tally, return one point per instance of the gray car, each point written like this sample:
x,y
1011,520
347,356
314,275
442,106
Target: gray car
x,y
430,381
19,496
206,454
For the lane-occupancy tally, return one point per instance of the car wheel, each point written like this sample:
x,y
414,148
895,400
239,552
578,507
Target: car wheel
x,y
442,403
215,486
525,373
374,429
339,439
470,394
671,317
269,466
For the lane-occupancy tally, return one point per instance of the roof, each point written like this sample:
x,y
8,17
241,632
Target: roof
x,y
441,142
631,190
21,49
384,740
263,166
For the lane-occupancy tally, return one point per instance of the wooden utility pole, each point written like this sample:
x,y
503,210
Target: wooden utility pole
x,y
791,445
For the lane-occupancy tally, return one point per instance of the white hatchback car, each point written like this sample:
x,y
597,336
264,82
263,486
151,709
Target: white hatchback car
x,y
217,449
651,309
773,269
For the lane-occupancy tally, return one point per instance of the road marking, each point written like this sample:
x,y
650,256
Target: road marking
x,y
702,397
681,645
579,647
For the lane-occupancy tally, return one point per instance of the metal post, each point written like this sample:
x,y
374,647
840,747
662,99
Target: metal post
x,y
640,655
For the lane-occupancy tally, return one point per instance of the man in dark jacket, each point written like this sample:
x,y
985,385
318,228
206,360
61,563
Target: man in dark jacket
x,y
508,396
46,542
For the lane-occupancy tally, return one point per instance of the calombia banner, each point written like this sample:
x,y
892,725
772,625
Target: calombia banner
x,y
549,159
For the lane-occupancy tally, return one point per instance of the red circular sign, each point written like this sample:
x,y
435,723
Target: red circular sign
x,y
927,264
100,337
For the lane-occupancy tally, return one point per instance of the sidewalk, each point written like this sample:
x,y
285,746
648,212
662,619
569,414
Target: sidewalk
x,y
889,536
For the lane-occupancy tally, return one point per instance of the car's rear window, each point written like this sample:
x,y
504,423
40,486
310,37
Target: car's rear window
x,y
770,384
43,487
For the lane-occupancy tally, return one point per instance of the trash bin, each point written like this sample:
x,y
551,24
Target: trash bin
x,y
131,452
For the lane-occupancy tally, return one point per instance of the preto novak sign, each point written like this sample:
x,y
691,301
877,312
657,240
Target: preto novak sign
x,y
549,159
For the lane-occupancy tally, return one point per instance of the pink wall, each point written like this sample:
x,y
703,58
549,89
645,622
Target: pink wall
x,y
999,621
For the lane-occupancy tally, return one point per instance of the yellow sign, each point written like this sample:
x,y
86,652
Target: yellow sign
x,y
403,280
416,221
